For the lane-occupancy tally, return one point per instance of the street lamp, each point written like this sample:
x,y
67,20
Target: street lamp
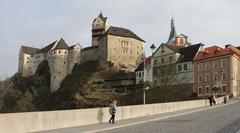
x,y
153,47
144,89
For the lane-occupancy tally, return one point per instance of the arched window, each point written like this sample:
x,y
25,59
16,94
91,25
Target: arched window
x,y
181,41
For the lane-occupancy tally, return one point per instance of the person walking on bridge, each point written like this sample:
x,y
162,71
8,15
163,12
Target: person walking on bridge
x,y
112,111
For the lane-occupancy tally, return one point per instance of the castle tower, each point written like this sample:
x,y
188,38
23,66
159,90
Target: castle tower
x,y
99,26
58,64
173,33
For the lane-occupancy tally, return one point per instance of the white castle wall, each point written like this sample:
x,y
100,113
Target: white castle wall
x,y
74,57
61,63
58,68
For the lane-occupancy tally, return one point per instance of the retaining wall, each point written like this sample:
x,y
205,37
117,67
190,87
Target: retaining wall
x,y
38,121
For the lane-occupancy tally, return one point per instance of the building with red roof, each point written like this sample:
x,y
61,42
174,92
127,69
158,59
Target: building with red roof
x,y
217,71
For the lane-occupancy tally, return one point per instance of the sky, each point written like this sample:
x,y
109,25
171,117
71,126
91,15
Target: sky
x,y
37,23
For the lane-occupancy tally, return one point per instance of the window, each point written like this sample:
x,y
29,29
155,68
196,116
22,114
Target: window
x,y
223,63
199,66
200,90
207,66
207,78
162,60
54,52
181,41
179,68
185,66
155,62
59,52
139,74
65,52
224,89
224,76
215,76
215,64
207,89
199,78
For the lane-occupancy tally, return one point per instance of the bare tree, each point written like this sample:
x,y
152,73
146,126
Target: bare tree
x,y
166,76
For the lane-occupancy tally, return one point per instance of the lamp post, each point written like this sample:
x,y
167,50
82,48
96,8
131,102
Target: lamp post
x,y
144,97
153,47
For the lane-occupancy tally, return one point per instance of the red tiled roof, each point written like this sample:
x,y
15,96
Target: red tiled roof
x,y
215,51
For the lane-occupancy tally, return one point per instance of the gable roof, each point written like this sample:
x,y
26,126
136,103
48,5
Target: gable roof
x,y
118,31
47,48
140,67
104,19
172,47
61,45
181,35
71,47
188,53
215,51
89,48
29,50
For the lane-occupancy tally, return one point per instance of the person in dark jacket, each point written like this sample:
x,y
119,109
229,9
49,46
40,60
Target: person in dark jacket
x,y
112,111
210,98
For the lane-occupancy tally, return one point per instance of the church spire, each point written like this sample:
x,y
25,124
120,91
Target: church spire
x,y
173,32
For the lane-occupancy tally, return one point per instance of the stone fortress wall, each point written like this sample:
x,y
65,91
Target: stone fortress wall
x,y
61,61
119,46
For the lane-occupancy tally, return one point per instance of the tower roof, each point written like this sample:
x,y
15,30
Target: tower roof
x,y
104,19
173,32
61,45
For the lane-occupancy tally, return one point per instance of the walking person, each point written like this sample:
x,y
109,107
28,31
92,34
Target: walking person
x,y
210,98
112,111
225,99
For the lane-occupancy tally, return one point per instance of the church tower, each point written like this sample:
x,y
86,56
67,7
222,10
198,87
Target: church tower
x,y
173,33
99,27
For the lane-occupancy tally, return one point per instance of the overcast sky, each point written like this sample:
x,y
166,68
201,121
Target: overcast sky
x,y
39,22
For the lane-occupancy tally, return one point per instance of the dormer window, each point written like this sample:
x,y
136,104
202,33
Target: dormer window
x,y
205,53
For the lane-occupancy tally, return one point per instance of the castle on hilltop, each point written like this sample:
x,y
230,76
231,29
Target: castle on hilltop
x,y
114,45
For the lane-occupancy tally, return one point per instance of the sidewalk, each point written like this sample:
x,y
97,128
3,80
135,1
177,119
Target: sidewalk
x,y
130,122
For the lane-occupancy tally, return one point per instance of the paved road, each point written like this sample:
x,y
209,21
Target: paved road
x,y
225,119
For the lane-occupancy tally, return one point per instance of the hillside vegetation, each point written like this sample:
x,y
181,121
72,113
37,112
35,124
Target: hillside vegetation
x,y
83,88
